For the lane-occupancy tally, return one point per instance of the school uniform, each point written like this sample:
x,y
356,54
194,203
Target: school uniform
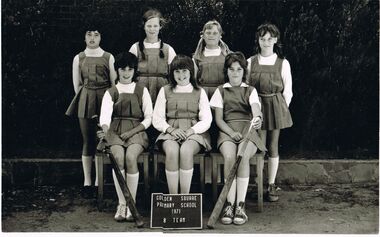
x,y
153,70
237,113
210,65
128,106
92,69
272,79
183,107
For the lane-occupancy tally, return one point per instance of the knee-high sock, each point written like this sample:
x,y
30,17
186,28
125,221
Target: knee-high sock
x,y
241,190
231,196
172,180
185,177
117,187
87,165
96,170
132,182
272,168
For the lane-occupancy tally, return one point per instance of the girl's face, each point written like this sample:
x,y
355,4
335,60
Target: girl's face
x,y
182,76
126,75
266,43
211,37
92,39
235,74
152,28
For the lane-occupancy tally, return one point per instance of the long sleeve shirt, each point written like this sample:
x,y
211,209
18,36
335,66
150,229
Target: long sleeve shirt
x,y
204,115
285,74
156,45
98,52
107,105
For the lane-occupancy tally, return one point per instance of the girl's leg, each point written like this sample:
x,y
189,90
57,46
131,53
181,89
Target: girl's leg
x,y
132,153
118,153
228,150
244,172
273,162
273,159
187,151
171,150
87,127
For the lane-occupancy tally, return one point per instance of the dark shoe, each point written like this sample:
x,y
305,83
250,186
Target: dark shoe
x,y
228,214
87,192
272,195
240,215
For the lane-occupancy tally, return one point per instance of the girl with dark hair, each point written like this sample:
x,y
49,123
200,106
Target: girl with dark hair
x,y
182,114
125,115
270,74
93,73
237,106
153,54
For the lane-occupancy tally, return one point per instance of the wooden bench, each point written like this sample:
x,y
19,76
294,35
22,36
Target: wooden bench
x,y
258,160
159,157
103,160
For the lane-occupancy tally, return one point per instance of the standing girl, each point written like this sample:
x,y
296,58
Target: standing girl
x,y
236,106
93,74
182,114
153,54
125,115
270,74
209,57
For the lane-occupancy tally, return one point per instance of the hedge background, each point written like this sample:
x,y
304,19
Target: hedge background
x,y
332,47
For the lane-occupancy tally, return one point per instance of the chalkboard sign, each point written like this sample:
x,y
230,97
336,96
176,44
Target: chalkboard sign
x,y
176,211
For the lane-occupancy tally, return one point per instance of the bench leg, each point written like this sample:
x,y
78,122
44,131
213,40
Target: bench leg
x,y
214,174
100,174
146,177
259,170
202,173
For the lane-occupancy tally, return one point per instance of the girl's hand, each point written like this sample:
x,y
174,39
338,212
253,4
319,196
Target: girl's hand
x,y
256,122
179,134
189,132
126,135
100,134
236,136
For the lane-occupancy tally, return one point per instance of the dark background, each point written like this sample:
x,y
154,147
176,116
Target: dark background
x,y
332,47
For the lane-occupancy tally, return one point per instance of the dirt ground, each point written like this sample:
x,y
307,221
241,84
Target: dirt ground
x,y
318,209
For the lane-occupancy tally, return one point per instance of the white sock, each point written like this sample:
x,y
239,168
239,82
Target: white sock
x,y
172,180
117,187
132,182
242,186
87,165
231,196
272,168
185,177
96,170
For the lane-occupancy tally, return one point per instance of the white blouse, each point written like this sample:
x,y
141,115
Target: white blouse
x,y
107,105
204,115
285,74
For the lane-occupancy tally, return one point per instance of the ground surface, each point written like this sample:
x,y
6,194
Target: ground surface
x,y
319,209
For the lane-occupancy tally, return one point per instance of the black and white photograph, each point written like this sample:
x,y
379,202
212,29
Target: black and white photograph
x,y
190,117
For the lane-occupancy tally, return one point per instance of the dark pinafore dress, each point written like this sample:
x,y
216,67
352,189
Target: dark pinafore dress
x,y
182,111
237,114
127,114
153,71
210,72
95,81
269,84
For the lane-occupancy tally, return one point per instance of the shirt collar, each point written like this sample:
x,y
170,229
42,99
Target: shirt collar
x,y
227,85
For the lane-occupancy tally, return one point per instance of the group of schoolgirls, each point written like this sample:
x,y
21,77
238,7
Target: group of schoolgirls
x,y
151,85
